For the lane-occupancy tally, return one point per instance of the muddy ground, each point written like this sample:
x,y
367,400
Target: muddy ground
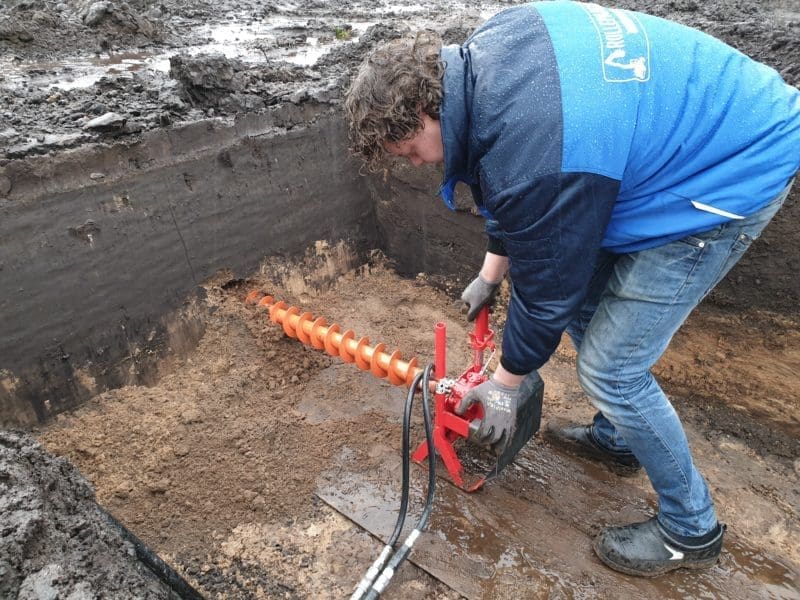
x,y
141,65
56,541
216,466
79,71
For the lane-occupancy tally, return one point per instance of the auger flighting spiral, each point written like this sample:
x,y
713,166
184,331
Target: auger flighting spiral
x,y
317,333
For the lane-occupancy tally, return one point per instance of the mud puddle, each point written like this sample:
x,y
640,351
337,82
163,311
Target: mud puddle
x,y
494,545
217,467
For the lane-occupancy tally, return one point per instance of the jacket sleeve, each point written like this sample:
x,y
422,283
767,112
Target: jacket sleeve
x,y
495,235
551,227
493,231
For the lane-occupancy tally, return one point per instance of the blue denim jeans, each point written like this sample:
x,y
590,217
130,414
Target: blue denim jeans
x,y
636,303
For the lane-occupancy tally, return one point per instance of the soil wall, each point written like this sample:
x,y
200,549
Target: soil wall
x,y
419,233
103,248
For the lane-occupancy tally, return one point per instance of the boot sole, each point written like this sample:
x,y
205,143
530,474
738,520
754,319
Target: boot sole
x,y
697,565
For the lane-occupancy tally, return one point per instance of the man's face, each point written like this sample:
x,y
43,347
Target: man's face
x,y
424,148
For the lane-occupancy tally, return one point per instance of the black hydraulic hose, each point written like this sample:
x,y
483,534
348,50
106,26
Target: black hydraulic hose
x,y
401,518
402,553
379,563
426,413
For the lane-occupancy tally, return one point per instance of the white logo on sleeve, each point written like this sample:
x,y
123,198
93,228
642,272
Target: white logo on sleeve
x,y
624,45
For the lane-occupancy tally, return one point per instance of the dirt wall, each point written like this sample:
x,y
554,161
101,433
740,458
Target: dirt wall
x,y
103,248
419,233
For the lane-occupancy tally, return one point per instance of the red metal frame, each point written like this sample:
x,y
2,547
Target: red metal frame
x,y
447,425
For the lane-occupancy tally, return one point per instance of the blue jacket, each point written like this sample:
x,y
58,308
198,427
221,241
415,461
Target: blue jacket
x,y
580,127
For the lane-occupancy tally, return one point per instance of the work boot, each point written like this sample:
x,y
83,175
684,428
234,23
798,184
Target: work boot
x,y
647,550
580,440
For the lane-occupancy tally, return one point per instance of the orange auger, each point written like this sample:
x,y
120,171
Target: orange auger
x,y
318,334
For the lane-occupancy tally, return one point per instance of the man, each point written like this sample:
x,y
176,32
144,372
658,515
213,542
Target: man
x,y
624,164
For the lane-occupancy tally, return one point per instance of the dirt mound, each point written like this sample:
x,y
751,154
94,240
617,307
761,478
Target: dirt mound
x,y
205,79
229,86
43,27
55,541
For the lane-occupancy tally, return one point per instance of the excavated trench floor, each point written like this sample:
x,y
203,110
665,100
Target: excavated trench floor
x,y
229,465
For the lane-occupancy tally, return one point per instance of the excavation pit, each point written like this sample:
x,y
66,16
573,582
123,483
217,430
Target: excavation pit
x,y
259,467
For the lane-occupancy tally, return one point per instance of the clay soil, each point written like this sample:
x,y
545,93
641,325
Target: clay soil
x,y
216,466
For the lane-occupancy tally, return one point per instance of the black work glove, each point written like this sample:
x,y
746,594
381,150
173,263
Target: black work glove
x,y
477,294
499,421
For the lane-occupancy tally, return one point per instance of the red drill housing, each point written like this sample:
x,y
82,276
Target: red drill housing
x,y
448,427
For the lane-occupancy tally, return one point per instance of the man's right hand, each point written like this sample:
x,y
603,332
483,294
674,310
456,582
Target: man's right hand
x,y
477,294
499,403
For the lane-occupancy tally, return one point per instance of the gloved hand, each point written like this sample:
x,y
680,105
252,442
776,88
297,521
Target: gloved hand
x,y
499,404
477,294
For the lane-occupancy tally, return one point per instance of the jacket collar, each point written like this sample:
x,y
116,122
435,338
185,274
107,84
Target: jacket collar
x,y
454,122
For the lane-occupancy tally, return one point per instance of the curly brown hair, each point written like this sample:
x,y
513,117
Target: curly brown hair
x,y
394,85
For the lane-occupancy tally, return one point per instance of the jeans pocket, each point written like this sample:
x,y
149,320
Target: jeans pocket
x,y
693,241
704,238
751,230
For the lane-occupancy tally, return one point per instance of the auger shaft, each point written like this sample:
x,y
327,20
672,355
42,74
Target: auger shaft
x,y
330,338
